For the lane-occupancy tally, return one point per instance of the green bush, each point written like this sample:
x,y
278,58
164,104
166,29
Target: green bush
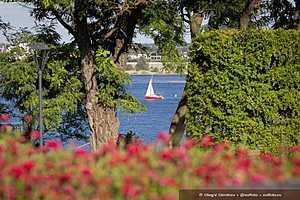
x,y
244,86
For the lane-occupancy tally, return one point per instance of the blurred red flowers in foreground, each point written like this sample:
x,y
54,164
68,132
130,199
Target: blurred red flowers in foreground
x,y
4,117
35,135
139,171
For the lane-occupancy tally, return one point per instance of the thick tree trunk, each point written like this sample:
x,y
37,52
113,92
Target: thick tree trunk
x,y
177,126
247,14
102,121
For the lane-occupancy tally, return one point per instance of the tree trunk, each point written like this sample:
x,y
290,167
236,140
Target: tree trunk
x,y
195,23
102,121
177,127
247,14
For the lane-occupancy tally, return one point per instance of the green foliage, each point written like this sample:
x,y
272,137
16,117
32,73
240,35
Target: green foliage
x,y
163,23
112,81
244,86
226,13
173,59
61,87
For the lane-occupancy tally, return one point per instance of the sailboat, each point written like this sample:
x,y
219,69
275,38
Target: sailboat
x,y
150,95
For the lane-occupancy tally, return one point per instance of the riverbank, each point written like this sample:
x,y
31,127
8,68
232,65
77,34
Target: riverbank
x,y
147,73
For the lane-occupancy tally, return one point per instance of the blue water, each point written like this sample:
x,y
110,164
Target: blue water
x,y
159,112
147,124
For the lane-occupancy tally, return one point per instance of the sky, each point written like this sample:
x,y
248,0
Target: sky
x,y
19,16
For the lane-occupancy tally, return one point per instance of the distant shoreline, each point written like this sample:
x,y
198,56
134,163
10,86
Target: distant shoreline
x,y
148,73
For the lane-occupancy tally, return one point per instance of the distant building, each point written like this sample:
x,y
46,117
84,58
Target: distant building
x,y
152,54
155,56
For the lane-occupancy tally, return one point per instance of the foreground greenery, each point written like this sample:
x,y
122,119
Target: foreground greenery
x,y
244,86
149,172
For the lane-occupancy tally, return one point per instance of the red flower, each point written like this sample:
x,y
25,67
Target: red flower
x,y
221,146
86,172
80,152
27,118
258,178
116,158
169,197
35,135
294,149
243,164
163,137
166,154
188,144
28,165
128,189
169,182
69,190
236,181
241,153
207,141
4,117
296,170
2,148
53,144
64,178
296,162
133,149
16,171
270,158
181,154
201,170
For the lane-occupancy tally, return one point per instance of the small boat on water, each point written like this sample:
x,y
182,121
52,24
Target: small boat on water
x,y
150,95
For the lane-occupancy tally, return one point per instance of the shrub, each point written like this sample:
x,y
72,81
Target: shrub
x,y
138,172
244,86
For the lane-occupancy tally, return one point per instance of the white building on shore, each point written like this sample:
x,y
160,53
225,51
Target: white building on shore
x,y
150,54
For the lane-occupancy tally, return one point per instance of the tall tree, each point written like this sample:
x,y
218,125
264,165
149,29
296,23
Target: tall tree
x,y
105,23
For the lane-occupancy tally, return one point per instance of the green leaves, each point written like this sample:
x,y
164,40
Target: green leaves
x,y
111,82
245,86
62,88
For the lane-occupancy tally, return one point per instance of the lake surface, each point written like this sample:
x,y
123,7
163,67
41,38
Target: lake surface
x,y
147,124
159,112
